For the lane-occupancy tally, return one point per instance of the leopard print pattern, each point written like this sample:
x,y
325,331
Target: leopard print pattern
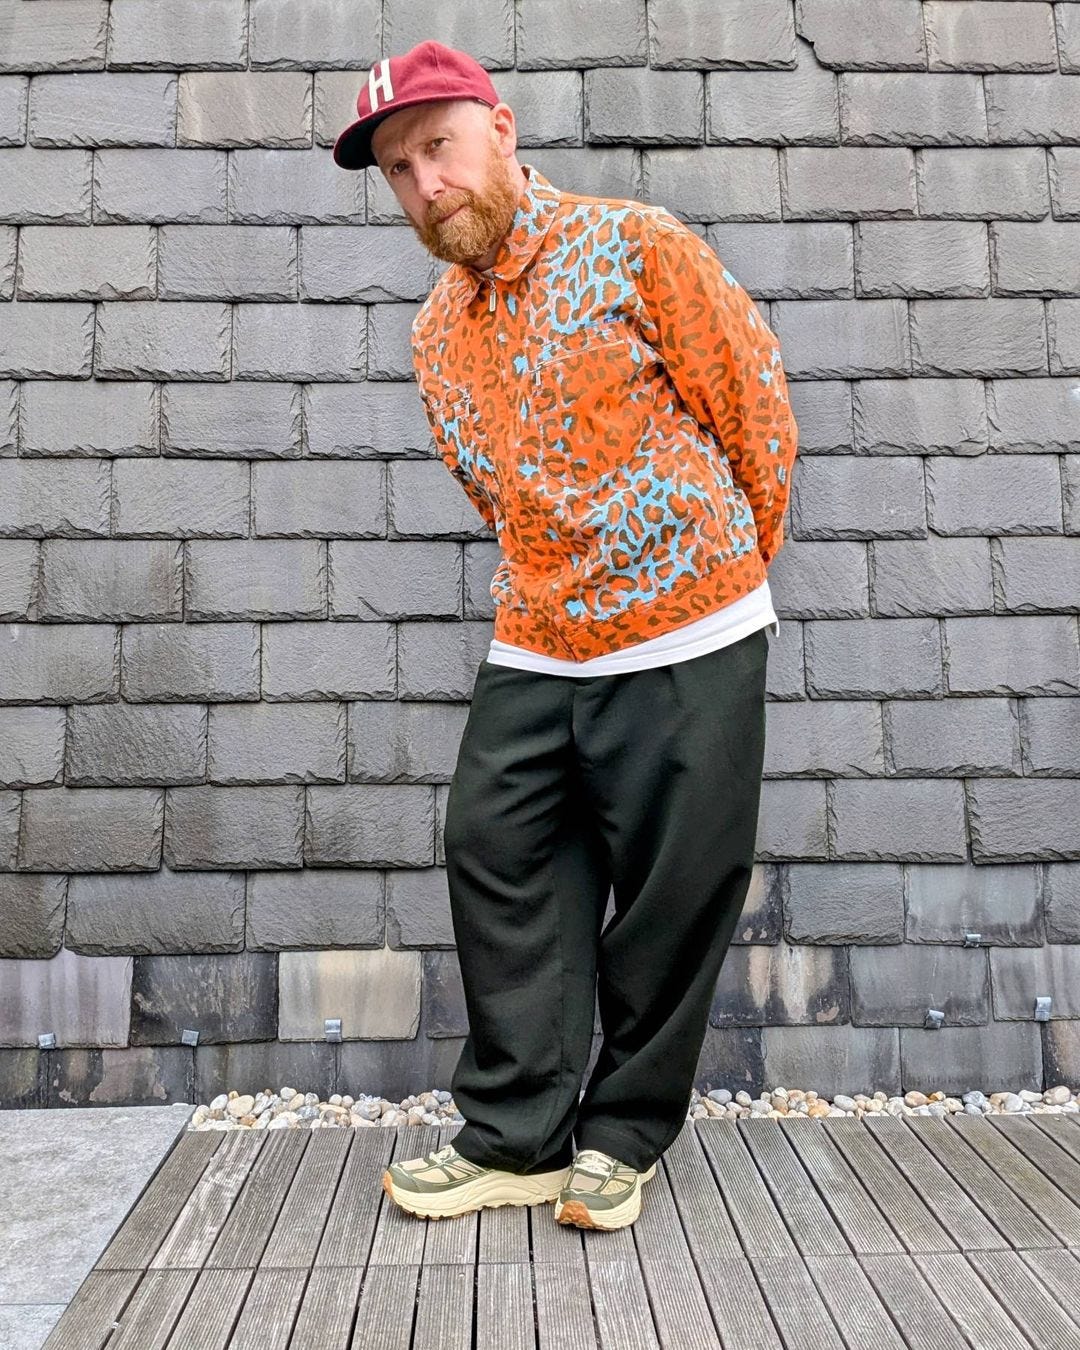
x,y
613,403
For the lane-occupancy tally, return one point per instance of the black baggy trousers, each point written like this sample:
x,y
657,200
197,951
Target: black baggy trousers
x,y
644,786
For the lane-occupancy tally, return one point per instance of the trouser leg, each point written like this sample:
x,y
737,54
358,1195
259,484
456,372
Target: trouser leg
x,y
528,885
672,760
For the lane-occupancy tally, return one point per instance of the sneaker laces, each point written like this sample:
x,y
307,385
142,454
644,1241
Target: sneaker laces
x,y
593,1163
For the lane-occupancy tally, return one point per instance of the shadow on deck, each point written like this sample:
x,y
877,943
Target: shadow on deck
x,y
762,1232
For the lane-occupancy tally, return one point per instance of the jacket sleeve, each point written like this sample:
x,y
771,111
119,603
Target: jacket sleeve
x,y
474,493
724,361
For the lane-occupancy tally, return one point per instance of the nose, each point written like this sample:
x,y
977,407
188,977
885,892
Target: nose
x,y
430,186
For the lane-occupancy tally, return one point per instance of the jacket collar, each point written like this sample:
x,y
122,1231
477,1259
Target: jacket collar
x,y
536,210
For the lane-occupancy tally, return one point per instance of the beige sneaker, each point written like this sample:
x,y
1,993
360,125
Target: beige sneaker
x,y
601,1192
443,1184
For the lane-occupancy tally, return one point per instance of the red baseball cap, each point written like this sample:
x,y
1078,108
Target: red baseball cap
x,y
427,72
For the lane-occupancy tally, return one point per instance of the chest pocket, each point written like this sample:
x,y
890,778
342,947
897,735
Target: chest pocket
x,y
586,398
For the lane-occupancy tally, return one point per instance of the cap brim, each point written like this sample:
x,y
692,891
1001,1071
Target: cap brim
x,y
352,149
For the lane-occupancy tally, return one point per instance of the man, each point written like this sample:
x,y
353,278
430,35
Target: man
x,y
613,404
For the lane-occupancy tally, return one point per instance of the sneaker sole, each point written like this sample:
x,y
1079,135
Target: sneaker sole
x,y
490,1192
578,1213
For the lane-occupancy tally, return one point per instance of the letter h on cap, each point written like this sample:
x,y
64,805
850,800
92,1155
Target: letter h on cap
x,y
379,82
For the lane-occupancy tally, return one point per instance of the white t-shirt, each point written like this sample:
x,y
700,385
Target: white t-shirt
x,y
724,626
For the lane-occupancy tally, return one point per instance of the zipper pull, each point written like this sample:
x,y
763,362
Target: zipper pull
x,y
491,299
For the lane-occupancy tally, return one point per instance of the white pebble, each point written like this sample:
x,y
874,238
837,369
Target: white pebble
x,y
290,1108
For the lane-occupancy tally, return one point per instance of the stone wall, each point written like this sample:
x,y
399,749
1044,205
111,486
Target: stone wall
x,y
244,602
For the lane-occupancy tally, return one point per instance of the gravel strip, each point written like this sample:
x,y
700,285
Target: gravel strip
x,y
289,1109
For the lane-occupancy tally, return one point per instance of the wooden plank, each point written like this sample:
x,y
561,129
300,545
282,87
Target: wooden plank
x,y
155,1210
617,1246
387,1308
1059,1130
679,1306
155,1307
244,1235
298,1229
1060,1273
680,1309
900,1202
1040,1148
658,1232
1018,1225
203,1215
974,1308
212,1310
444,1309
1019,1288
1033,1186
967,1223
269,1311
615,1273
792,1189
796,1306
853,1301
89,1319
452,1242
327,1310
760,1228
504,1236
915,1307
624,1320
738,1305
860,1220
356,1205
554,1243
706,1222
564,1319
504,1306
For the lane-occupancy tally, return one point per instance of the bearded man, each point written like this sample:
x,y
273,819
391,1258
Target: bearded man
x,y
613,404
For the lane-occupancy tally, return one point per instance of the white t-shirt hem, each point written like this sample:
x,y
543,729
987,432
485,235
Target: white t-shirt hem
x,y
718,629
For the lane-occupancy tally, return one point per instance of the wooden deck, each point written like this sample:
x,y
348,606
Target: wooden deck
x,y
761,1232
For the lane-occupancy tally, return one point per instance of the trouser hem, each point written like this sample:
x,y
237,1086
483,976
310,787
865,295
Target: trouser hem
x,y
617,1145
475,1153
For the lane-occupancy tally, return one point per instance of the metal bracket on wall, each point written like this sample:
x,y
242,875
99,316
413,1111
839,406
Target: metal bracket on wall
x,y
972,939
47,1040
332,1029
934,1018
1042,1008
189,1037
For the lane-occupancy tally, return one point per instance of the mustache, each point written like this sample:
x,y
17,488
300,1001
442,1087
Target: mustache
x,y
437,220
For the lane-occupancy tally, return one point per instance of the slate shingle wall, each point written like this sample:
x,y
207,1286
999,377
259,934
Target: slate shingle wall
x,y
243,603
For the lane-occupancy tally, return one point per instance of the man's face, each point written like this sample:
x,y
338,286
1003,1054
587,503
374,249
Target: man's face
x,y
450,165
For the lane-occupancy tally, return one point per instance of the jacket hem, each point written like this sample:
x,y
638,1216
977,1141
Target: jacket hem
x,y
581,639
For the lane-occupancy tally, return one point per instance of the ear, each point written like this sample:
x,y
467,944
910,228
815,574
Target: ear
x,y
505,126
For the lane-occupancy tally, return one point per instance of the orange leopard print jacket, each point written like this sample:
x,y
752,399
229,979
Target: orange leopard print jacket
x,y
613,404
